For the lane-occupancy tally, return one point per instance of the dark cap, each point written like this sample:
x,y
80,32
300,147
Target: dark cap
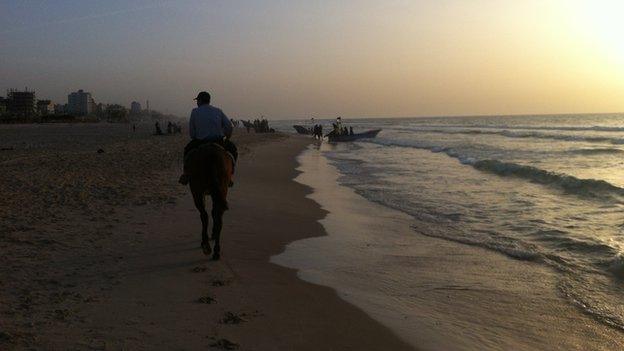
x,y
203,96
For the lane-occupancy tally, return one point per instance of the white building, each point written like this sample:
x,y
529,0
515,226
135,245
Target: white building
x,y
80,103
135,108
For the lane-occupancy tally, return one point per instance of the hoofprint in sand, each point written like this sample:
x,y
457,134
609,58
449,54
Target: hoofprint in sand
x,y
100,250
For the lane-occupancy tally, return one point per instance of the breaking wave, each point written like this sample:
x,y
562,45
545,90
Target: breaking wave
x,y
599,151
567,182
533,134
527,127
571,184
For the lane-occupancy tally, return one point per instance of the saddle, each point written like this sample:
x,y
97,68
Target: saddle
x,y
211,144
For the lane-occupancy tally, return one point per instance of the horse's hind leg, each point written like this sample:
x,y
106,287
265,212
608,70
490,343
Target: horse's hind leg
x,y
198,198
218,207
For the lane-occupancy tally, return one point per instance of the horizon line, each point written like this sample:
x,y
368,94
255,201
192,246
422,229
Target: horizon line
x,y
455,116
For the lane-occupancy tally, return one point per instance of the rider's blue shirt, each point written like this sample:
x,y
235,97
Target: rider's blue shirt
x,y
209,123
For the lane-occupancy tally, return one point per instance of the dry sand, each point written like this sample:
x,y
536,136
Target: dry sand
x,y
101,250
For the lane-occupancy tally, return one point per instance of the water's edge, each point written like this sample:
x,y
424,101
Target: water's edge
x,y
353,256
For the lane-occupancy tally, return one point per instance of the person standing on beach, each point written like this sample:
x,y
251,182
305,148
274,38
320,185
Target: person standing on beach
x,y
208,124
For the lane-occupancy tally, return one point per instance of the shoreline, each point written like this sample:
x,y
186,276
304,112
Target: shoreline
x,y
301,315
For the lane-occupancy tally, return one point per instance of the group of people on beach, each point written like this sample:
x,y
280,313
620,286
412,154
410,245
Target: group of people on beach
x,y
172,128
317,131
258,125
339,129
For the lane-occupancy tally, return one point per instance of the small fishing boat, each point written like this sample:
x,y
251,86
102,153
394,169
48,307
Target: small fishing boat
x,y
302,130
352,137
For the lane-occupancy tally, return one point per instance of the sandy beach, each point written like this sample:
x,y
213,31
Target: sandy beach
x,y
101,249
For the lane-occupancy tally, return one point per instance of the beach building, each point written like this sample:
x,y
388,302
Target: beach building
x,y
2,105
21,104
135,108
80,103
99,110
60,109
116,113
45,107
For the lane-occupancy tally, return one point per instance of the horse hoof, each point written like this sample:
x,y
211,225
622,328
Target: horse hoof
x,y
216,256
206,248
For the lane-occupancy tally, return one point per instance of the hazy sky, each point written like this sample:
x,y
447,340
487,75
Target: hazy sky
x,y
295,59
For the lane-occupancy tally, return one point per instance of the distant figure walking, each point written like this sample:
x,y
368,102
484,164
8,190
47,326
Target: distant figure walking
x,y
318,131
248,125
158,130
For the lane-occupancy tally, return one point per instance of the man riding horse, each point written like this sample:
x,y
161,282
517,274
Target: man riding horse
x,y
208,168
208,124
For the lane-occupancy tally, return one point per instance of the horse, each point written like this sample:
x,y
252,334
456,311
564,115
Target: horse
x,y
210,170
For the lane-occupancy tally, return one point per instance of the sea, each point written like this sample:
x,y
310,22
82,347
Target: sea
x,y
547,190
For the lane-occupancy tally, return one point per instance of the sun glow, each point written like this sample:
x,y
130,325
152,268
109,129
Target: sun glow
x,y
602,24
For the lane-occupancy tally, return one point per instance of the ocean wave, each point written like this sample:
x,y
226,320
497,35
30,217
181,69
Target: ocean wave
x,y
567,182
571,184
527,127
615,266
578,259
511,248
535,135
599,151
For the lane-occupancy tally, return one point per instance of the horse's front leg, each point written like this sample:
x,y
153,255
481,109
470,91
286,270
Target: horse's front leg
x,y
217,219
198,198
205,244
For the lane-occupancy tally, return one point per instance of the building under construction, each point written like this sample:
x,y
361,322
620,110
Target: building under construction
x,y
21,104
3,105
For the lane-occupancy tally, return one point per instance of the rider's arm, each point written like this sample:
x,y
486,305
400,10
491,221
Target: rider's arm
x,y
192,131
227,125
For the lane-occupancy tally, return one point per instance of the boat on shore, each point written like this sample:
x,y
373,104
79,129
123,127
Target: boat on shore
x,y
302,130
353,137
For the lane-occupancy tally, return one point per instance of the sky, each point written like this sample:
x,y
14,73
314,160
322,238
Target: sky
x,y
324,58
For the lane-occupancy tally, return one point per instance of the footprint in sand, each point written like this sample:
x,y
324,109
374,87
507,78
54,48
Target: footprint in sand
x,y
198,269
224,344
233,318
207,300
5,337
61,314
218,282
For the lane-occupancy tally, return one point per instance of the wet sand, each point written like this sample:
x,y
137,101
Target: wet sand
x,y
117,265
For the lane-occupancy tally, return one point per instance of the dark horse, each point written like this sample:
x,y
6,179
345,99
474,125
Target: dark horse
x,y
210,171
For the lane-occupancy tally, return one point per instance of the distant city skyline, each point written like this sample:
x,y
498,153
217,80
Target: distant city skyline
x,y
289,60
